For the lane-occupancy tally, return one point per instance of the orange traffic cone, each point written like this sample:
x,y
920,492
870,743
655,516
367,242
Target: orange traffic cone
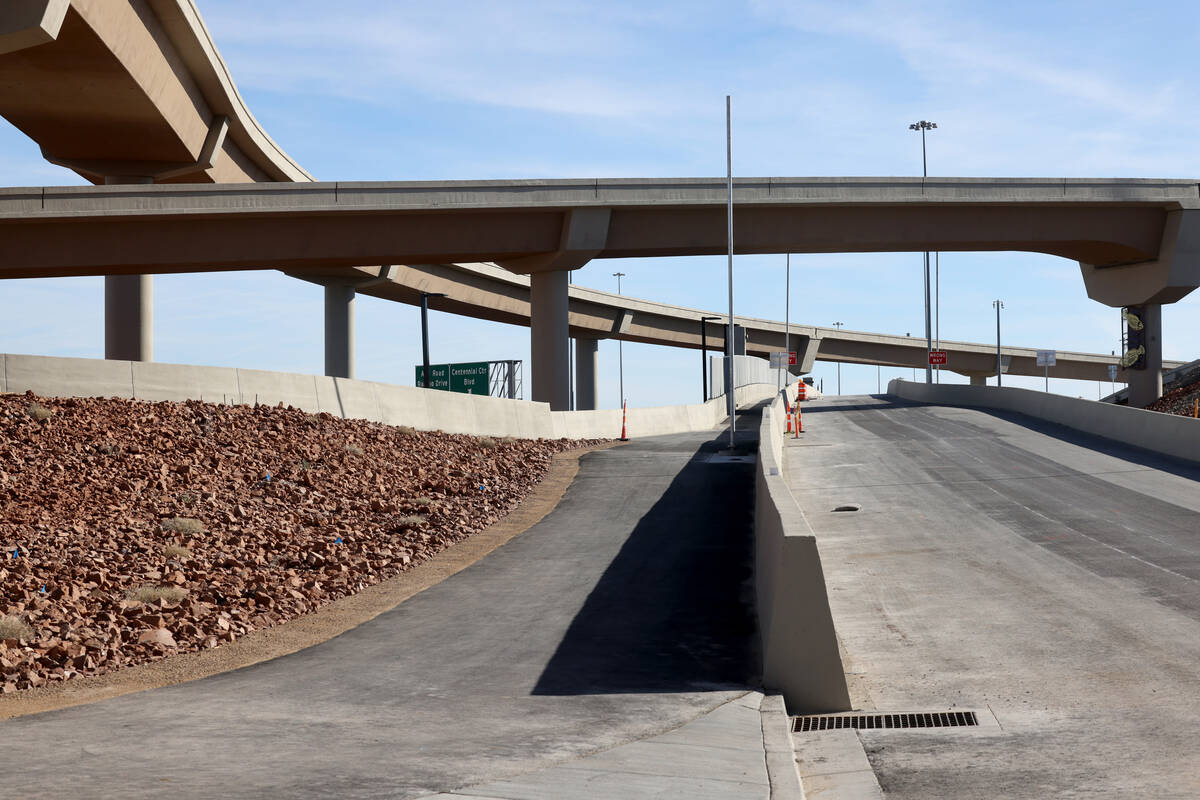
x,y
799,422
624,438
789,418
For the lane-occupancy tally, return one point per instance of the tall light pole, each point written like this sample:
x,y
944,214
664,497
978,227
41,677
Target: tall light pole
x,y
997,304
425,330
839,325
923,126
787,303
570,345
729,371
620,348
704,355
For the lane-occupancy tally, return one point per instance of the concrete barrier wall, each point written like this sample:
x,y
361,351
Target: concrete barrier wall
x,y
747,370
425,409
801,659
1166,434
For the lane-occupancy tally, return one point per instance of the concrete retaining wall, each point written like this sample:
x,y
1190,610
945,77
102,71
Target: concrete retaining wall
x,y
1166,434
425,409
799,644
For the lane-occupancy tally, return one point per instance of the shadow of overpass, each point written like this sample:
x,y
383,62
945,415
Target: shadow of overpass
x,y
674,611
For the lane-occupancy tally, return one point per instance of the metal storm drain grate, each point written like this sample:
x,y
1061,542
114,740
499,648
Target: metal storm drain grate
x,y
935,719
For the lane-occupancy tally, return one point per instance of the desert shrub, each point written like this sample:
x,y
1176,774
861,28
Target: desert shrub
x,y
183,525
411,521
40,412
422,501
187,499
406,430
177,551
152,594
353,449
487,443
12,627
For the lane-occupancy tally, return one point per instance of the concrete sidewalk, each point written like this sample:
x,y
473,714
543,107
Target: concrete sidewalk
x,y
740,749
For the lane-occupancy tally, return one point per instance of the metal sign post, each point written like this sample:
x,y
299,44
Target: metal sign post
x,y
1046,359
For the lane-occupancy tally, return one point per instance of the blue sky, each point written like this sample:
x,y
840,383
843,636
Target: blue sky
x,y
392,90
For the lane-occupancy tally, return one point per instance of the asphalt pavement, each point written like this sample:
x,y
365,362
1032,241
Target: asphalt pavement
x,y
622,616
1046,579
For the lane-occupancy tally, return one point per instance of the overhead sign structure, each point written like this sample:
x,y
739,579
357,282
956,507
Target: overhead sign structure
x,y
464,378
1046,358
937,357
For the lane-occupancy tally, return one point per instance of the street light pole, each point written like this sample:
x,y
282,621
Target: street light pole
x,y
997,304
704,355
787,310
839,325
620,348
425,330
729,368
923,126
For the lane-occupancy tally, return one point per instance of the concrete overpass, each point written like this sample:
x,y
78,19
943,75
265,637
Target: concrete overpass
x,y
134,92
486,291
1139,236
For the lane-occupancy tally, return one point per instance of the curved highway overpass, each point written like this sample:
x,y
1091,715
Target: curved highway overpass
x,y
486,291
135,92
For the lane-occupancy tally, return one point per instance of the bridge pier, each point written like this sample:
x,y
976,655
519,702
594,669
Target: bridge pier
x,y
128,304
1145,385
339,329
586,395
549,336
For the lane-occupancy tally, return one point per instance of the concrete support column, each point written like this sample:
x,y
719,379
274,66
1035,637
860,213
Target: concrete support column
x,y
129,317
1145,385
586,394
979,380
128,305
549,339
339,330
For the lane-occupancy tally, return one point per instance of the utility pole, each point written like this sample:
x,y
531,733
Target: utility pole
x,y
839,325
425,330
704,355
997,304
620,347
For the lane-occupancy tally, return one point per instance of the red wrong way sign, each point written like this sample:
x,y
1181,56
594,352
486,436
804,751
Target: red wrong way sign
x,y
937,356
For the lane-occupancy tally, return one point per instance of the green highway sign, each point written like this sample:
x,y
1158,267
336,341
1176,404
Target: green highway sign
x,y
465,378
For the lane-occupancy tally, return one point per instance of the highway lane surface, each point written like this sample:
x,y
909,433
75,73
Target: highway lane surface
x,y
1048,579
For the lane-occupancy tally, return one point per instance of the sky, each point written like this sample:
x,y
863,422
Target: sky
x,y
398,90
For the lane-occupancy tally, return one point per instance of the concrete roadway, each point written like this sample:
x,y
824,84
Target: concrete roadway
x,y
1048,579
624,614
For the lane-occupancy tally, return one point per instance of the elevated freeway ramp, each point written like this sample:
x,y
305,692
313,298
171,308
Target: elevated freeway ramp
x,y
1047,579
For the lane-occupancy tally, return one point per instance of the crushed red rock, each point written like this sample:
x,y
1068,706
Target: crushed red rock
x,y
132,530
1181,401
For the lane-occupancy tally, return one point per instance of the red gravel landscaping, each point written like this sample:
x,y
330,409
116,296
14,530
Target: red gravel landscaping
x,y
134,530
1180,401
